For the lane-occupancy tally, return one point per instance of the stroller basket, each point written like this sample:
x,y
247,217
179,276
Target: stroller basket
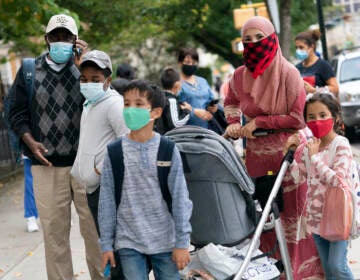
x,y
223,211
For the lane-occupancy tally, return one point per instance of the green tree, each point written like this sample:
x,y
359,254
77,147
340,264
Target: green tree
x,y
120,26
22,23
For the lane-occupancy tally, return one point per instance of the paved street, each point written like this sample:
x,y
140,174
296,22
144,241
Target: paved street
x,y
22,253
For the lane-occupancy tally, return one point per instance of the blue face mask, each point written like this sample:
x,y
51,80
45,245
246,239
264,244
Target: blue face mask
x,y
92,91
61,52
301,54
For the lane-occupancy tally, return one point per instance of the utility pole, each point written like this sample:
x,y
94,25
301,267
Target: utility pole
x,y
322,29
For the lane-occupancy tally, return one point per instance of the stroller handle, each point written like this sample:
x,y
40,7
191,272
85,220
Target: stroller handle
x,y
257,132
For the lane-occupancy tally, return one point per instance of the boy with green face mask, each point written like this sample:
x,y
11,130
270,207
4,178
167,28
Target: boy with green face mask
x,y
143,227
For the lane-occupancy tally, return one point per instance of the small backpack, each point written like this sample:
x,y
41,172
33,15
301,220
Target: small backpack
x,y
354,185
164,156
28,71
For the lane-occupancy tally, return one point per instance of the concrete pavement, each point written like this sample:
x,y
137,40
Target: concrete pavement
x,y
22,254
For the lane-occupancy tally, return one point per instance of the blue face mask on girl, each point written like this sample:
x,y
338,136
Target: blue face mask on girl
x,y
301,54
61,52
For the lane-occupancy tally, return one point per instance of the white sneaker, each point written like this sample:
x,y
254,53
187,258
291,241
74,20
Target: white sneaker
x,y
31,224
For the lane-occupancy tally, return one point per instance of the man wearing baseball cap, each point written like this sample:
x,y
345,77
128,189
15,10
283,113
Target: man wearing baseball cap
x,y
48,123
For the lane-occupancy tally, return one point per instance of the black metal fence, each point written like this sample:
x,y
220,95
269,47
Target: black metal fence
x,y
8,160
7,156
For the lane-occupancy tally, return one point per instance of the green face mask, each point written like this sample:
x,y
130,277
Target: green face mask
x,y
136,118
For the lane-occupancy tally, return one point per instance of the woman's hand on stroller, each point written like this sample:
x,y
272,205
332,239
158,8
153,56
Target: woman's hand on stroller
x,y
248,129
181,257
233,131
292,142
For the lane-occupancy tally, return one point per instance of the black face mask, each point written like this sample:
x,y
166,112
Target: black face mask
x,y
189,70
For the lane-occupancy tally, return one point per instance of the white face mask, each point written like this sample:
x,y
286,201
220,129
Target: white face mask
x,y
92,91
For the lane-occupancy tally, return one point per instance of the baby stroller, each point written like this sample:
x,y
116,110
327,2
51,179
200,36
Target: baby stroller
x,y
224,211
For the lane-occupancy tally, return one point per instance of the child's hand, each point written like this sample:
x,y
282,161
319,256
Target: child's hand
x,y
313,146
108,257
293,140
186,105
180,257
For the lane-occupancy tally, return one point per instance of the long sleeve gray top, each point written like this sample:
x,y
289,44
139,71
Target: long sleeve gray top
x,y
143,222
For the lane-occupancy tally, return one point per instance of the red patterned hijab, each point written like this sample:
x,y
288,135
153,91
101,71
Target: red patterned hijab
x,y
272,81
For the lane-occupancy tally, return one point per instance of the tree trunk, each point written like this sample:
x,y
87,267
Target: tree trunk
x,y
285,23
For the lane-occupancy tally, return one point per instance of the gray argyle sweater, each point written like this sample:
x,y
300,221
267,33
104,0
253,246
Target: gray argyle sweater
x,y
54,115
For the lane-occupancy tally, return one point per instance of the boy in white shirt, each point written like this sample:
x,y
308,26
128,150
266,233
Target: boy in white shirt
x,y
101,123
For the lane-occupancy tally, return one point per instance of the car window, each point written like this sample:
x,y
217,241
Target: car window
x,y
350,70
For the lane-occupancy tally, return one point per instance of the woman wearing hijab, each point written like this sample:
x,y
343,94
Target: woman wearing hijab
x,y
269,92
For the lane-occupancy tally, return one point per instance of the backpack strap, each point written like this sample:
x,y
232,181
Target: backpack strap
x,y
164,156
117,163
28,69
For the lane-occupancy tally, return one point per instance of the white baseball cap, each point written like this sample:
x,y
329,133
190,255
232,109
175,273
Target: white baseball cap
x,y
62,21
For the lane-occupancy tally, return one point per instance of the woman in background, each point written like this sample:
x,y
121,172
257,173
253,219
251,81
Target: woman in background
x,y
317,73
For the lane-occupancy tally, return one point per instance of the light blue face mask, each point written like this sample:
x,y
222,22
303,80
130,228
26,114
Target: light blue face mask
x,y
61,52
301,54
92,91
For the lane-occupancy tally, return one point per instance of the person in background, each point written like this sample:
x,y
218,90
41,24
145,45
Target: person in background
x,y
30,210
224,89
174,114
195,90
101,122
218,83
143,226
323,116
269,92
317,73
124,74
49,130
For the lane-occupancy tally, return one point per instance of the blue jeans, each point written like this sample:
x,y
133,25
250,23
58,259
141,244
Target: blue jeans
x,y
135,265
29,200
333,258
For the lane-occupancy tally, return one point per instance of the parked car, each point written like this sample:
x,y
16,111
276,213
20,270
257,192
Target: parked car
x,y
347,69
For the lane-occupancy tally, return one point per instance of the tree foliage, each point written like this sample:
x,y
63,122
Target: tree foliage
x,y
22,22
119,26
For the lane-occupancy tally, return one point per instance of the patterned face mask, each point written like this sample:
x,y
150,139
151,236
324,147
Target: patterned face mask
x,y
258,55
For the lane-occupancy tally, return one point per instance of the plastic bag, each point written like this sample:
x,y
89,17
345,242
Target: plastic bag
x,y
222,262
337,214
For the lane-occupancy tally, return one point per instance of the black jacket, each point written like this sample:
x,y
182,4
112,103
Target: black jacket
x,y
173,116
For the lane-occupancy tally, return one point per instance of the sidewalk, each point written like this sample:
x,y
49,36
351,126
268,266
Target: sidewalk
x,y
22,254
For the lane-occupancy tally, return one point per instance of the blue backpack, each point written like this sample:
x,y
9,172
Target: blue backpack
x,y
28,71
